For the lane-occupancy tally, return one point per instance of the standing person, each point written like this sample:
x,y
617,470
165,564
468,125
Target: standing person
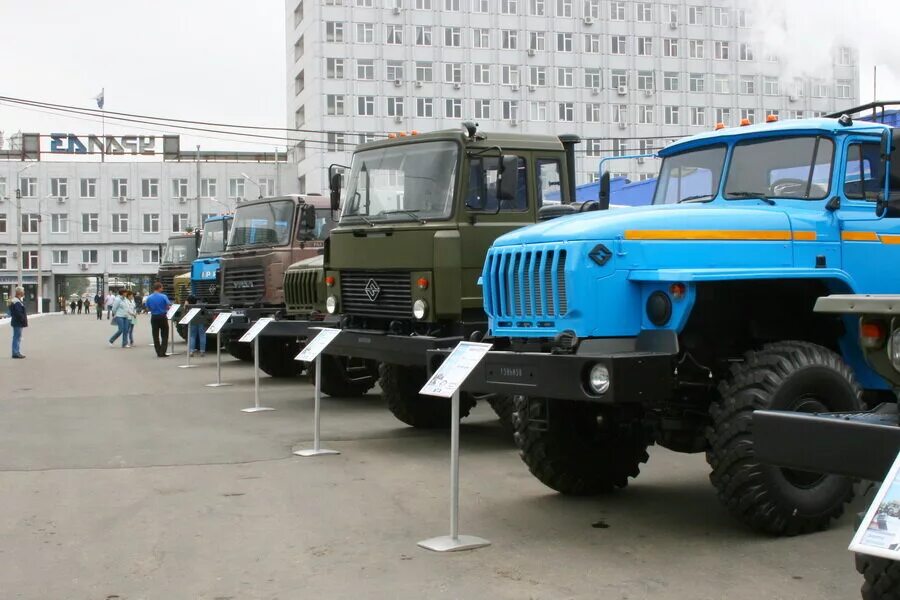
x,y
158,304
19,320
110,298
98,303
132,319
120,314
87,306
72,307
197,338
79,304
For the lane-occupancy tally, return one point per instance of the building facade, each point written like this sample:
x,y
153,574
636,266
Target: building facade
x,y
100,221
626,76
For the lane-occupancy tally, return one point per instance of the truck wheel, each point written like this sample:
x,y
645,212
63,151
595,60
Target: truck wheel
x,y
504,407
276,357
574,449
400,387
240,350
793,376
345,377
182,331
882,577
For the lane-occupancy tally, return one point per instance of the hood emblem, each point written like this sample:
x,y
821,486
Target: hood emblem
x,y
372,290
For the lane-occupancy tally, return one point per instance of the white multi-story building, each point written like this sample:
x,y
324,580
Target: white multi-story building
x,y
626,76
106,220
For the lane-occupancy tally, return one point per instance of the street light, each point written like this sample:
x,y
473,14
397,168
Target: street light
x,y
258,186
19,219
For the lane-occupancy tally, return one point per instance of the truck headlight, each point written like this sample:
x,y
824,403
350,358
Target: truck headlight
x,y
599,379
420,309
895,349
331,305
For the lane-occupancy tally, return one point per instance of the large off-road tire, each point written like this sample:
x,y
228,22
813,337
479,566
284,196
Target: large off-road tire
x,y
182,331
400,388
573,448
504,407
276,357
793,376
345,377
239,350
882,577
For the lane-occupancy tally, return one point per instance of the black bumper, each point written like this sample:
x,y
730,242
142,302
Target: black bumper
x,y
295,329
635,377
862,445
406,350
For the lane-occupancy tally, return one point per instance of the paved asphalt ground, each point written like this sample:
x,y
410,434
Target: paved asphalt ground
x,y
122,477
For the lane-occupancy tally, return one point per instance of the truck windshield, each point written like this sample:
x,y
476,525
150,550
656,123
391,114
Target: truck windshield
x,y
690,176
795,167
267,224
402,183
213,242
180,250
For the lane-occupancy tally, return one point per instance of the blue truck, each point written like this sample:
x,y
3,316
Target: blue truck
x,y
205,280
672,323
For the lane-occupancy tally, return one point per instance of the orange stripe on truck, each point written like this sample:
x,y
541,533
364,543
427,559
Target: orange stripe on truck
x,y
709,234
859,236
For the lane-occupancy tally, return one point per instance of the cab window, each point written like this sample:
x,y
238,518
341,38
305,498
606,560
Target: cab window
x,y
549,181
864,172
482,192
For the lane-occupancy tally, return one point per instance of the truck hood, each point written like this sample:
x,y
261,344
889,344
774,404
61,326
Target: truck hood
x,y
313,262
693,221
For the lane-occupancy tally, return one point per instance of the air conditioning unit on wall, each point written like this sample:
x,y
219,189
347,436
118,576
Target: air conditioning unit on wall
x,y
182,200
83,266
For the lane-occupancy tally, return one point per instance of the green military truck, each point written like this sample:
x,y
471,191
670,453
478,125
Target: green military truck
x,y
403,263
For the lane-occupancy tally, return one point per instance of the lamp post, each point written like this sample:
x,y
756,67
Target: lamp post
x,y
258,187
19,220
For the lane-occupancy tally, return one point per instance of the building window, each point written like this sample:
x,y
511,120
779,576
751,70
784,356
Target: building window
x,y
482,109
334,31
179,188
592,147
842,88
149,188
592,78
536,41
770,86
566,111
696,49
298,49
509,110
30,259
300,117
645,114
120,257
536,8
645,81
643,12
236,188
591,8
723,115
3,260
509,75
88,188
481,38
334,68
208,188
451,5
424,72
151,223
453,72
149,256
592,43
60,257
90,222
2,222
617,11
89,257
2,187
395,106
537,111
120,188
698,116
453,108
618,113
509,7
365,69
335,141
671,113
565,77
592,112
618,78
670,47
645,46
266,186
670,13
298,14
745,52
365,33
748,85
299,82
564,42
394,70
334,104
480,6
179,222
509,39
563,8
394,35
722,50
617,44
423,35
30,222
425,108
481,74
619,148
365,106
697,82
695,15
722,84
671,81
120,222
720,17
452,37
423,4
28,187
845,56
537,76
748,114
59,187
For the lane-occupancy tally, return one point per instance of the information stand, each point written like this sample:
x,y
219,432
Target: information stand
x,y
313,352
170,316
879,532
445,383
214,329
186,320
252,335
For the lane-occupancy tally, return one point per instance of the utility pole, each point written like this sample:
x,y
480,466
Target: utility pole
x,y
199,212
40,280
19,232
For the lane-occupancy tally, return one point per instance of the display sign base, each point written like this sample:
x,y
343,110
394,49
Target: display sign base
x,y
256,407
447,543
314,452
313,351
214,328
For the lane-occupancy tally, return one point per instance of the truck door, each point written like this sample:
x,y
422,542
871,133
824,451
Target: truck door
x,y
870,245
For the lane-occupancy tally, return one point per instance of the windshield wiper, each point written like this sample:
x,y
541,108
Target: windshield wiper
x,y
369,222
697,198
751,196
413,214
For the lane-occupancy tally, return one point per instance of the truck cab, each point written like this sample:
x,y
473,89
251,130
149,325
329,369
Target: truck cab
x,y
179,253
205,281
672,323
403,263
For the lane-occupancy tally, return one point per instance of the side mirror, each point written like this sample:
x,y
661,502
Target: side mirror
x,y
309,217
508,178
886,144
603,198
335,186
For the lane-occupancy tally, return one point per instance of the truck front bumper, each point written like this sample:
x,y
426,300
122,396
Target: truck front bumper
x,y
406,350
862,445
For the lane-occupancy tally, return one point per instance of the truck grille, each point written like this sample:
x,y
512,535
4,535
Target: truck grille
x,y
168,282
376,294
182,290
207,292
301,289
244,285
529,283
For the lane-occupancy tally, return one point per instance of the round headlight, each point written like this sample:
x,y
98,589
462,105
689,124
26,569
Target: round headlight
x,y
420,309
331,305
894,349
659,308
599,379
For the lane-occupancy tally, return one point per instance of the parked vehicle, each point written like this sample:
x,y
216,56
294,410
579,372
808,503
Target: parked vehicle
x,y
180,251
205,280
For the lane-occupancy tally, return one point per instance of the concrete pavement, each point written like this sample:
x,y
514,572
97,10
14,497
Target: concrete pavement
x,y
123,477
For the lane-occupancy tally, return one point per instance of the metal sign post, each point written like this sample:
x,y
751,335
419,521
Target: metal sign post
x,y
214,329
187,321
445,383
313,352
252,335
170,316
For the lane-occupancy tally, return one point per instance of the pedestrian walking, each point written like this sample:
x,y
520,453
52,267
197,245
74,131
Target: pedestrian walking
x,y
108,302
98,303
132,318
72,306
79,304
18,321
197,338
158,304
87,306
120,314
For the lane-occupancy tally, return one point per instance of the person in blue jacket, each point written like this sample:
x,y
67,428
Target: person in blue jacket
x,y
19,320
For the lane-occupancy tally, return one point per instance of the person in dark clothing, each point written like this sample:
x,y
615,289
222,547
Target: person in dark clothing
x,y
98,303
158,304
87,306
18,321
72,306
79,304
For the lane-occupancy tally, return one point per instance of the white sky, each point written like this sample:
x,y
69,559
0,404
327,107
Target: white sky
x,y
223,60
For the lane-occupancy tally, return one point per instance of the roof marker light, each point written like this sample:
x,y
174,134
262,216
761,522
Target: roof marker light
x,y
720,125
771,118
392,136
745,122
